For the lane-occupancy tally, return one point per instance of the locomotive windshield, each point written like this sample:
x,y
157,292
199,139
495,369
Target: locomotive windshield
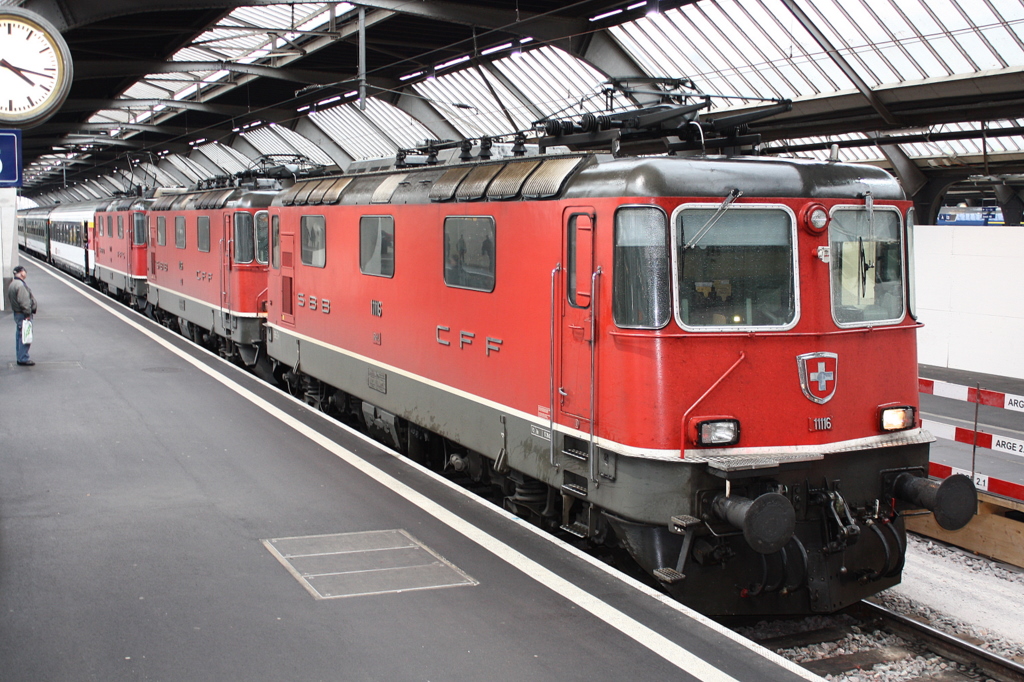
x,y
867,266
741,271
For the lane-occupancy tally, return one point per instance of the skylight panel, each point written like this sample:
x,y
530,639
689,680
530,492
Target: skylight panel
x,y
465,100
557,82
401,127
302,145
230,160
187,167
351,131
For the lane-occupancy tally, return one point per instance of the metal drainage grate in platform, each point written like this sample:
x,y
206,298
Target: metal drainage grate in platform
x,y
358,564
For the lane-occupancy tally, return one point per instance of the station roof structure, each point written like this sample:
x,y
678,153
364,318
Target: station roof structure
x,y
171,92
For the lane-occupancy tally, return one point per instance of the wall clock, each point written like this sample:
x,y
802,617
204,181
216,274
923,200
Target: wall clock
x,y
35,68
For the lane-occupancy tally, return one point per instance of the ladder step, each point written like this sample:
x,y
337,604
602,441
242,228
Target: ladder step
x,y
580,530
581,455
574,489
680,524
668,575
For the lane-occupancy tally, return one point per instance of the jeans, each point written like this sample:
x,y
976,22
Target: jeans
x,y
19,347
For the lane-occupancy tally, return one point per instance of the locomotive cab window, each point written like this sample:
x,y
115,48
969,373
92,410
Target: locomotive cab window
x,y
735,267
139,228
262,236
867,265
275,242
641,281
179,231
245,239
469,252
377,245
203,233
313,230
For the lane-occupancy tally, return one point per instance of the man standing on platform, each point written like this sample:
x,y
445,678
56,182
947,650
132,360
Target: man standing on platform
x,y
23,305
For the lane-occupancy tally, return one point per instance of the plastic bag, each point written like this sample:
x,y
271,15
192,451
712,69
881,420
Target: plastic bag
x,y
26,332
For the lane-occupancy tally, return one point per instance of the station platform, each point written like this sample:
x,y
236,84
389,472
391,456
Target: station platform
x,y
166,516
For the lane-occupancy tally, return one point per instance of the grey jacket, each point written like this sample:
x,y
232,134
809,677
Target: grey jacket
x,y
20,298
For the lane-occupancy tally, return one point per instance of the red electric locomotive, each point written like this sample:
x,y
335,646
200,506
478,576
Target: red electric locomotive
x,y
207,267
121,240
708,361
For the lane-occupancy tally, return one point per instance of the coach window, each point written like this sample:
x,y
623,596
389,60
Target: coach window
x,y
735,267
469,252
641,282
275,233
314,240
867,265
203,233
245,247
120,227
377,245
179,231
139,222
262,236
161,230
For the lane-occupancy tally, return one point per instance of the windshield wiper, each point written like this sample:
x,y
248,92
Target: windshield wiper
x,y
733,196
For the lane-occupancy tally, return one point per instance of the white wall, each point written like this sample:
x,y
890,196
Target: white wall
x,y
970,297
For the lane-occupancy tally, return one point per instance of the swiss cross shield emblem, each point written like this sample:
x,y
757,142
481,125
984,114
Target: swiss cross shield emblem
x,y
818,375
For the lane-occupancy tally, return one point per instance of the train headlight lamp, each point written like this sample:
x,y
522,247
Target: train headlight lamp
x,y
897,418
815,218
716,431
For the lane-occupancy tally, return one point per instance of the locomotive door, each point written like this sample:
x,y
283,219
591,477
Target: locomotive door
x,y
287,278
226,244
576,376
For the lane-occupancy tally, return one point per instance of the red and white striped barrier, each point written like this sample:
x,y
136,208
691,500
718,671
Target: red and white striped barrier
x,y
968,394
981,481
988,441
984,440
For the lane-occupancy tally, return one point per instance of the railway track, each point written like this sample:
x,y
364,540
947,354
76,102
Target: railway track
x,y
967,661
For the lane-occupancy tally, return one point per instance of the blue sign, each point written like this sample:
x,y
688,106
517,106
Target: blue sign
x,y
10,158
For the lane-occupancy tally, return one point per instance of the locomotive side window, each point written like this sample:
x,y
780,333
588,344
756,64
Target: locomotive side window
x,y
262,236
641,282
314,240
110,226
469,252
867,265
245,241
179,231
161,231
377,245
139,225
735,268
203,233
120,227
275,249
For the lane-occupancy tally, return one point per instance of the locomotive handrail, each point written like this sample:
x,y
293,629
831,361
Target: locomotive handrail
x,y
713,386
551,375
593,371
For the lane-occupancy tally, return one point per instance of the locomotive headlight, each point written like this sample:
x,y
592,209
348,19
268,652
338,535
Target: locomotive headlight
x,y
897,418
815,218
718,431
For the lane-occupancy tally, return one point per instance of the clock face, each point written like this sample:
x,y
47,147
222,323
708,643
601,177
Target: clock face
x,y
35,71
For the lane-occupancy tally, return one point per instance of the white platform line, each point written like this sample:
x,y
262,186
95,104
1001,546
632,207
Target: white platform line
x,y
685,660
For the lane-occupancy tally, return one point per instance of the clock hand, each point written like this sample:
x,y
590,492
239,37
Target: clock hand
x,y
18,72
22,70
